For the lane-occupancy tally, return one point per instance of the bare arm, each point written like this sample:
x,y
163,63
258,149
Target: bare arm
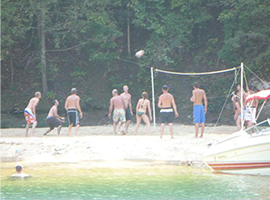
x,y
174,107
111,108
138,106
159,102
34,107
149,110
130,105
205,102
192,99
78,106
66,105
124,103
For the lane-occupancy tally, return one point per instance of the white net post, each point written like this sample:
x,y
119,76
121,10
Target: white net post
x,y
153,97
242,95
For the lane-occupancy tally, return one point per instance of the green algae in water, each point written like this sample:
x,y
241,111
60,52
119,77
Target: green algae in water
x,y
59,181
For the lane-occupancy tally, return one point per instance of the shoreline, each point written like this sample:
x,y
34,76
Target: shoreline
x,y
97,143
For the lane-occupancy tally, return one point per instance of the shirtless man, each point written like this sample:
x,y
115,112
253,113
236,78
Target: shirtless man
x,y
30,113
53,119
199,111
168,110
117,105
127,99
74,111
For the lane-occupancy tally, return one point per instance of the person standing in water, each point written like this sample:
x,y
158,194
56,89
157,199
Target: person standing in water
x,y
199,111
168,110
30,113
19,172
117,105
141,110
53,119
128,105
74,111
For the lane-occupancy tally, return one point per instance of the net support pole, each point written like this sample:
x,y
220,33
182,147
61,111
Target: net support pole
x,y
242,96
153,97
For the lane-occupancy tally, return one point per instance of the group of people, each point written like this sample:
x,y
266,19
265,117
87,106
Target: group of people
x,y
121,111
72,106
249,108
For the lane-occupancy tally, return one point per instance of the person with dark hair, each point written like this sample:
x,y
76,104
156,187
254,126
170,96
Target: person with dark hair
x,y
74,111
53,119
199,111
30,113
168,110
19,172
142,106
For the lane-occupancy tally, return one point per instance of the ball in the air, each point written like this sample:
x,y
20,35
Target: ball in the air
x,y
139,53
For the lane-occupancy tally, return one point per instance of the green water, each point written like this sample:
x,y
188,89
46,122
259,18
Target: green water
x,y
61,181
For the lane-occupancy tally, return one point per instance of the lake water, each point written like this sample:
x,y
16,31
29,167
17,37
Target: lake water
x,y
125,180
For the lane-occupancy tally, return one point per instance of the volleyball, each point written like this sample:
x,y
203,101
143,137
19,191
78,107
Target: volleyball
x,y
139,53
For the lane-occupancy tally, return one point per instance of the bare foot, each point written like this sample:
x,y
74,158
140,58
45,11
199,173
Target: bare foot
x,y
201,136
123,133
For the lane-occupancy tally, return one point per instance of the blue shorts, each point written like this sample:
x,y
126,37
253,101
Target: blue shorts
x,y
198,114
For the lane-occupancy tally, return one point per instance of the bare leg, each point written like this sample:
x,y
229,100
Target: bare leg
x,y
34,127
70,130
127,125
147,122
139,119
114,127
196,129
119,126
161,130
238,123
202,129
27,129
48,131
59,129
76,129
171,129
122,130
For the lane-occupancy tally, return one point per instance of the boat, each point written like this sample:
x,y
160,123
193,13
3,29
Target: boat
x,y
246,151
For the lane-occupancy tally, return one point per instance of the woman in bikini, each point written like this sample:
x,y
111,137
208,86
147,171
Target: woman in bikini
x,y
141,110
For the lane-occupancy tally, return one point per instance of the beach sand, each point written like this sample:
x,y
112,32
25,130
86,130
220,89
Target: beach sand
x,y
98,143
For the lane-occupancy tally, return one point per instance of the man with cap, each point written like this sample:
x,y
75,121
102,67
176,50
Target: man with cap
x,y
168,110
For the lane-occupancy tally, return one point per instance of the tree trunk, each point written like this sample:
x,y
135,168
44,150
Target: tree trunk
x,y
128,30
43,52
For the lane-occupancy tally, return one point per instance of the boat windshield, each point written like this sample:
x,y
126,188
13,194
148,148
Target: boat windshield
x,y
261,127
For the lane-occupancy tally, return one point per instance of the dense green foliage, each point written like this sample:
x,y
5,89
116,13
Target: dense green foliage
x,y
54,45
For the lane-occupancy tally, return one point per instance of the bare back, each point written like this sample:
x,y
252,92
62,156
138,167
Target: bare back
x,y
118,102
166,100
72,102
33,103
198,95
143,105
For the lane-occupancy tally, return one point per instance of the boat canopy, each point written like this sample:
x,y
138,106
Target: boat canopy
x,y
263,94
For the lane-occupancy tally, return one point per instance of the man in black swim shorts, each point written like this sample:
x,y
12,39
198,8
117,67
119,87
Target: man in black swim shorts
x,y
53,119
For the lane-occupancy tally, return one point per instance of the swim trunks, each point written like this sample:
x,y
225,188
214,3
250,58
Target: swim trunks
x,y
119,115
166,115
29,116
128,114
53,122
73,116
198,114
140,113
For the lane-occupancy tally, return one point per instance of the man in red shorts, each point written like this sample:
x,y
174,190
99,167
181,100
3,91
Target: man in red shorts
x,y
30,113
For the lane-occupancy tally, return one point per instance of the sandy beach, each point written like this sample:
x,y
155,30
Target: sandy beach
x,y
98,143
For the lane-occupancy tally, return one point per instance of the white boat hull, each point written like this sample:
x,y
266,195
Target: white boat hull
x,y
241,153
